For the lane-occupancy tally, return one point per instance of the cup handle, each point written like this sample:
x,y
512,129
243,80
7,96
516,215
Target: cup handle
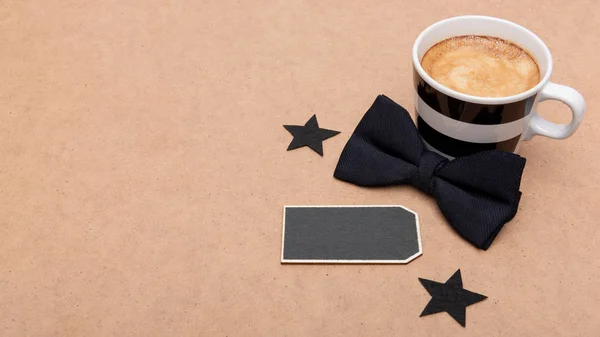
x,y
572,98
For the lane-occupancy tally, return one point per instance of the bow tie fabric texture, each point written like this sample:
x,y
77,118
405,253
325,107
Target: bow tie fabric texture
x,y
477,194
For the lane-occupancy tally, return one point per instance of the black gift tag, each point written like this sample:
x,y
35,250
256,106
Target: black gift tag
x,y
350,234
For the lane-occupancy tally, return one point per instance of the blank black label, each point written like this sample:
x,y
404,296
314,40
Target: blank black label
x,y
350,234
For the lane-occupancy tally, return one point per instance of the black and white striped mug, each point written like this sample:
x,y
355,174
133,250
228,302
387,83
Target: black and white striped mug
x,y
456,124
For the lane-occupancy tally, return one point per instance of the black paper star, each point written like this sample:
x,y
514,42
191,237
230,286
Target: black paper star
x,y
309,135
450,297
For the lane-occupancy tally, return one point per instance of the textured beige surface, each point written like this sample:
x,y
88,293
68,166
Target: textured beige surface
x,y
143,172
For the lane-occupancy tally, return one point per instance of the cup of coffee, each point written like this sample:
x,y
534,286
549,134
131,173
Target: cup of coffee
x,y
478,80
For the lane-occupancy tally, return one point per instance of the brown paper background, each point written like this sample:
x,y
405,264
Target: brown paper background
x,y
143,172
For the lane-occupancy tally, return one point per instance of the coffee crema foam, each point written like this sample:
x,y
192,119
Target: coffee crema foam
x,y
481,66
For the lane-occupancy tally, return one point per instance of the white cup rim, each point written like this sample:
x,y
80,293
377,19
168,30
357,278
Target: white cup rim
x,y
478,99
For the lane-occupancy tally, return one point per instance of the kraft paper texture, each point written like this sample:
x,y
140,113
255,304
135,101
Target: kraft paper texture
x,y
143,172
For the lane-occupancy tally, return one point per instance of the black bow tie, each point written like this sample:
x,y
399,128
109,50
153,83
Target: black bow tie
x,y
477,193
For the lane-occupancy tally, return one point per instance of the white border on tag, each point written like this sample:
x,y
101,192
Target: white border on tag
x,y
419,253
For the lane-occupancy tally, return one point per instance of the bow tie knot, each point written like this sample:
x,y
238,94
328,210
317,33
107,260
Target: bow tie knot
x,y
429,162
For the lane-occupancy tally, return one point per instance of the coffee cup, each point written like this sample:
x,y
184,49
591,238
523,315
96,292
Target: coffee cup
x,y
454,123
